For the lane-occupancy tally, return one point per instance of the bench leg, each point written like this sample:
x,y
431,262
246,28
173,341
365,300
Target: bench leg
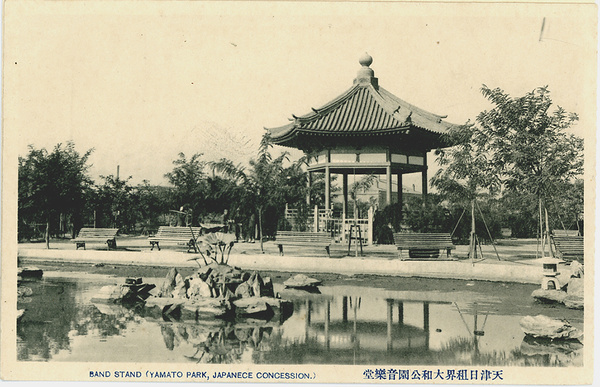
x,y
155,243
112,244
327,249
448,252
192,245
280,249
79,244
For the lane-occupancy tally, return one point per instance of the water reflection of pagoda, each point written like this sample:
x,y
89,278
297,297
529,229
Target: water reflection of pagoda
x,y
351,333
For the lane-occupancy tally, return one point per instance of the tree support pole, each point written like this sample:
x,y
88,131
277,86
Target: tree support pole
x,y
488,231
472,247
542,228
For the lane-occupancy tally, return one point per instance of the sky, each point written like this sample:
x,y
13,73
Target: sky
x,y
142,81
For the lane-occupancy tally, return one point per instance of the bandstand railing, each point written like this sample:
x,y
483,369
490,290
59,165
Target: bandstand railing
x,y
339,227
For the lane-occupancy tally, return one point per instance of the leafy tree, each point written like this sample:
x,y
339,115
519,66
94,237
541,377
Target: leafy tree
x,y
189,181
467,172
117,203
519,145
263,188
153,203
530,147
531,150
52,183
363,184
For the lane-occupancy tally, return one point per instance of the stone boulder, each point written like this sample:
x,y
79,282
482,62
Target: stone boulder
x,y
267,288
111,294
576,287
576,269
168,285
574,299
549,296
180,288
244,290
301,281
564,351
198,288
542,326
574,302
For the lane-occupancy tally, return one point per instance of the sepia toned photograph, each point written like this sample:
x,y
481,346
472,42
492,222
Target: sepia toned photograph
x,y
320,192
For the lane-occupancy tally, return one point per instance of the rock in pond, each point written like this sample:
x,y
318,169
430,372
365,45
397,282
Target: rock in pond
x,y
263,307
301,281
111,294
542,326
189,309
549,296
133,291
30,272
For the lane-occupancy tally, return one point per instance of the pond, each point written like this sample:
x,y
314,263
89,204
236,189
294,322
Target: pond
x,y
345,324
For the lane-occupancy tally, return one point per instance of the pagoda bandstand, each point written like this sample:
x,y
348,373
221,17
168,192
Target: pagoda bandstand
x,y
366,130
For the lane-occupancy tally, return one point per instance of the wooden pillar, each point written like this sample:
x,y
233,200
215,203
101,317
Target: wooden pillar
x,y
370,217
307,320
345,309
400,313
424,177
399,175
327,319
426,323
388,188
389,324
327,187
345,193
309,186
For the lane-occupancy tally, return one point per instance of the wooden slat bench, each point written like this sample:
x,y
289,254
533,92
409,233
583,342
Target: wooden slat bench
x,y
178,235
303,238
569,247
103,235
565,233
423,245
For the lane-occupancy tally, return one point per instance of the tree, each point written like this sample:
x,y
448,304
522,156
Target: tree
x,y
531,150
51,184
466,172
261,188
117,203
189,181
153,203
363,184
519,145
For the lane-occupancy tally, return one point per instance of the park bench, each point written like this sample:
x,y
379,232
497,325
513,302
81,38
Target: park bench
x,y
303,238
569,248
565,233
179,235
423,245
103,235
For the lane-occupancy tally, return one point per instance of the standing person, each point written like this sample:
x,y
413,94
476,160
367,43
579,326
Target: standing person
x,y
225,221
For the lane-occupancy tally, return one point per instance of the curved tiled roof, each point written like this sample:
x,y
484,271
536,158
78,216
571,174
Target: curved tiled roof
x,y
364,109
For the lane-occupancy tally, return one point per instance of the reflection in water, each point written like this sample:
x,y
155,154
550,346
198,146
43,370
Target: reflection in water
x,y
340,326
224,344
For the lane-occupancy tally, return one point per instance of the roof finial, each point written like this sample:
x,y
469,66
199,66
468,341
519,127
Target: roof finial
x,y
366,75
365,60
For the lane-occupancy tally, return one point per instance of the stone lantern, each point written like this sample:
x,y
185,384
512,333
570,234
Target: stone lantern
x,y
550,271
